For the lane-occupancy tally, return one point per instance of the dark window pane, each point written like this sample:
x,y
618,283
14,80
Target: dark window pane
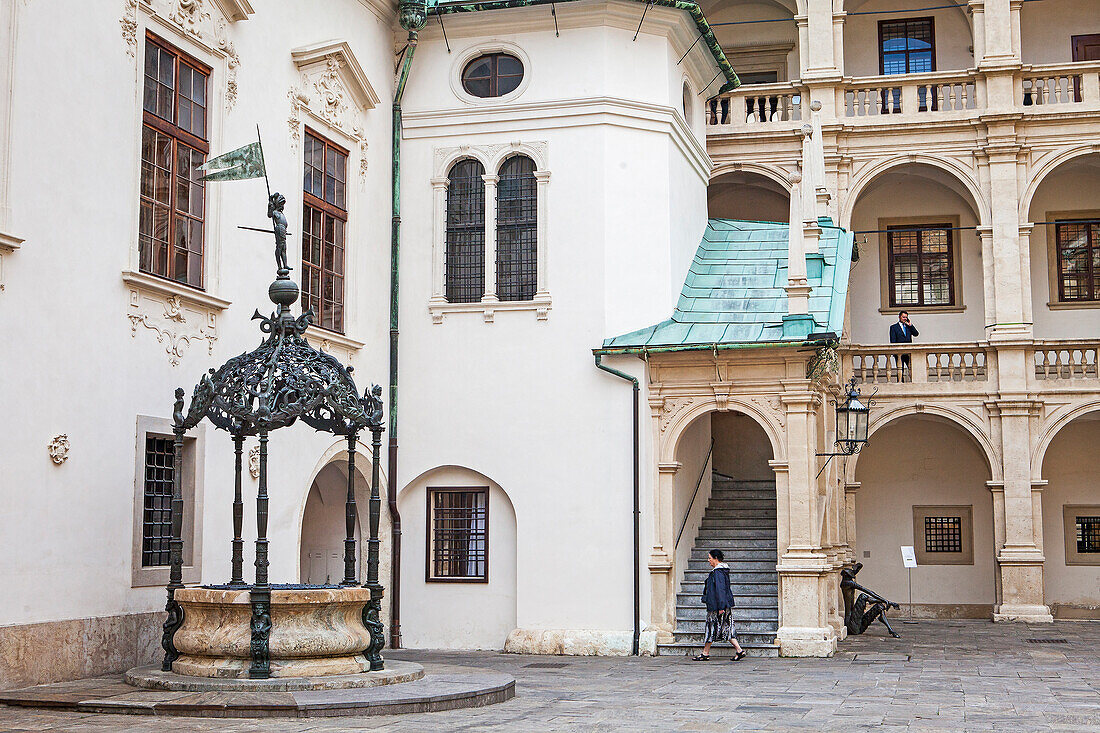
x,y
459,533
517,207
465,254
156,528
492,75
921,265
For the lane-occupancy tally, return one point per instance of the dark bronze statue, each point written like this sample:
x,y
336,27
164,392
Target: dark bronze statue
x,y
275,211
857,615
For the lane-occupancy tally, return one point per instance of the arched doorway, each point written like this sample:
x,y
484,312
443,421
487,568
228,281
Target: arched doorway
x,y
915,230
323,524
748,196
922,482
1065,212
459,566
1071,520
725,499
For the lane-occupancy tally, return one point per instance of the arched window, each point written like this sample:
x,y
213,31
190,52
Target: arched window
x,y
465,261
517,237
492,75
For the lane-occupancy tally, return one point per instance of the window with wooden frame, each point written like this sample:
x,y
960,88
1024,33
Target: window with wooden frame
x,y
173,146
921,265
1078,245
907,46
458,534
324,221
1082,534
517,229
464,274
492,75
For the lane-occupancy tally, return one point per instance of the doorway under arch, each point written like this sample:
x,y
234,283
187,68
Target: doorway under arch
x,y
321,560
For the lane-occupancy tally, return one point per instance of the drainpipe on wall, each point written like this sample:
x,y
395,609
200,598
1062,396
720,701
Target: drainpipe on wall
x,y
413,15
637,512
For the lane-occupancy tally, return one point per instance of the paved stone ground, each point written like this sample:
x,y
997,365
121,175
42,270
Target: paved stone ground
x,y
942,676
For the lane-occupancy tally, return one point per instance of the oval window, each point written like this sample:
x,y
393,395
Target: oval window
x,y
492,75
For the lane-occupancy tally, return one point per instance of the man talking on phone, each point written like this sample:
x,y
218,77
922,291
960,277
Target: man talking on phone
x,y
903,331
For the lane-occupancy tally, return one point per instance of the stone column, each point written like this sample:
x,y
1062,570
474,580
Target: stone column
x,y
851,489
1010,257
439,237
838,40
490,295
977,12
1020,559
804,568
542,183
662,573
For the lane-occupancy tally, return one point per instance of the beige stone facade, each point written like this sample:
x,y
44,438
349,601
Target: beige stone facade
x,y
992,420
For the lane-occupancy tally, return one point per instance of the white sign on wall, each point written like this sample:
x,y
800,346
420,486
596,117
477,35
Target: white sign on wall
x,y
908,557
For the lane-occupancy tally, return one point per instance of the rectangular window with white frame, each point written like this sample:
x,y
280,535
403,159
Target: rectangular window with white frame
x,y
154,475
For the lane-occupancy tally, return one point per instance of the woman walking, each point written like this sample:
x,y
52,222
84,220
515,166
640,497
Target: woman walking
x,y
719,599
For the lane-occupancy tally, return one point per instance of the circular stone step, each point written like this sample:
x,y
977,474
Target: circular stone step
x,y
152,678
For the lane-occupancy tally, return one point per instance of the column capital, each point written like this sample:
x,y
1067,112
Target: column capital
x,y
441,182
541,176
669,468
490,180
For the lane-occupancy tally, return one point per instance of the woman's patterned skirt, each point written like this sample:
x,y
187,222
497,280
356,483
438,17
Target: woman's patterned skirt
x,y
719,627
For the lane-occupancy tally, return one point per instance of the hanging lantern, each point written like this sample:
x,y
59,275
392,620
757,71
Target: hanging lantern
x,y
851,422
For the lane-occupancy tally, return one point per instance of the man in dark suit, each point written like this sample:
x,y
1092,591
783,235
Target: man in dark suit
x,y
903,332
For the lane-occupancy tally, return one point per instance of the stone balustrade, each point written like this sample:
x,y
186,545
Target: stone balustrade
x,y
756,105
918,364
1067,360
907,94
1059,85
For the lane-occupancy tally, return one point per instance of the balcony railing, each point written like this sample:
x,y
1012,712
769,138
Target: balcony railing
x,y
750,107
1066,360
1060,85
908,94
923,364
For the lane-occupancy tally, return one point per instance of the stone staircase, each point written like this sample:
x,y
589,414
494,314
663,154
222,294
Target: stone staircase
x,y
739,520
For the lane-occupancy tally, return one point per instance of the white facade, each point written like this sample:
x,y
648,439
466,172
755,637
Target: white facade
x,y
505,395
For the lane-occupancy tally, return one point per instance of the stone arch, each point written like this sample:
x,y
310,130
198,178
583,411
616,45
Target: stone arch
x,y
688,414
336,455
961,420
774,172
480,614
445,162
1051,430
749,191
1046,166
869,173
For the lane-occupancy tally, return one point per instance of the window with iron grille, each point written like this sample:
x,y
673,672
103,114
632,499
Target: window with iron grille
x,y
324,219
156,525
943,534
464,278
907,46
458,534
173,146
517,219
921,265
1078,260
1088,534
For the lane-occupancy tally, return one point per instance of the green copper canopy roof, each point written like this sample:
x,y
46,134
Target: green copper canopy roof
x,y
734,292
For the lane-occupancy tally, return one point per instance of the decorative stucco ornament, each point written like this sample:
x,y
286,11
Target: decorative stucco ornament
x,y
330,92
254,462
189,15
128,22
59,449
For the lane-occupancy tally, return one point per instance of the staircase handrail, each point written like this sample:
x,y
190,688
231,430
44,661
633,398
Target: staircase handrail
x,y
702,473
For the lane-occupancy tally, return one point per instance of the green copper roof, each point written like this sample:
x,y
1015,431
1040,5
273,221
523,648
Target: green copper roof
x,y
734,292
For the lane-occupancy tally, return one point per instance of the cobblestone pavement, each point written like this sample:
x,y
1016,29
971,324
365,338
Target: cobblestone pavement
x,y
941,676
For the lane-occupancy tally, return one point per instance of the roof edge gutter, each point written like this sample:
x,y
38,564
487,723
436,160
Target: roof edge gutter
x,y
643,350
706,33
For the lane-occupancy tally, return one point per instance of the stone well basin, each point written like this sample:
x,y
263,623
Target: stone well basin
x,y
314,632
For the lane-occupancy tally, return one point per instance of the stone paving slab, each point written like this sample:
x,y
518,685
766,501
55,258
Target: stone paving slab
x,y
941,688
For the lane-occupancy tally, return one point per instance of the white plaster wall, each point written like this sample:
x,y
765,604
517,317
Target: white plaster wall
x,y
1070,188
457,615
902,467
1046,29
520,400
898,196
693,453
81,371
741,447
954,43
1071,479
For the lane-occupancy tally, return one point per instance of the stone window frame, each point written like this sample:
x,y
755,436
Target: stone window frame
x,y
491,157
884,264
1054,301
966,513
1070,513
194,454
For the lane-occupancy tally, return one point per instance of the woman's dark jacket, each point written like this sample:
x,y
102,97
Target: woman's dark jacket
x,y
716,591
